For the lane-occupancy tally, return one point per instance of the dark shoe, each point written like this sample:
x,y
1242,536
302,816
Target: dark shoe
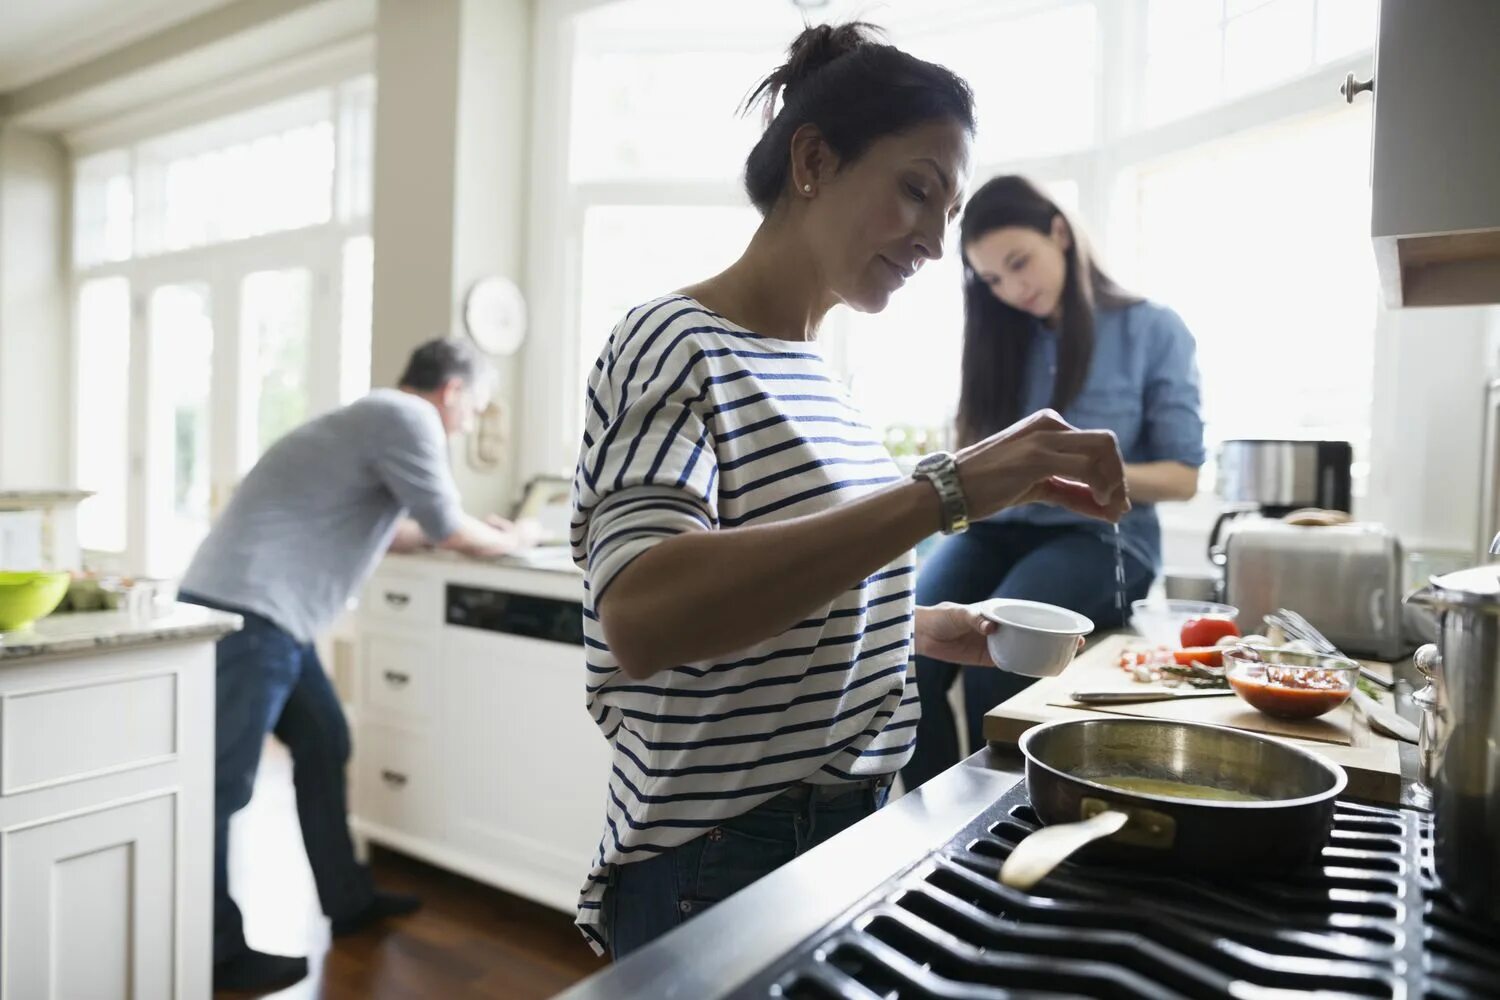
x,y
384,904
256,972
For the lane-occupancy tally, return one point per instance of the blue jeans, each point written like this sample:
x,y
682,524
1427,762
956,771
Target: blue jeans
x,y
1069,567
647,898
269,682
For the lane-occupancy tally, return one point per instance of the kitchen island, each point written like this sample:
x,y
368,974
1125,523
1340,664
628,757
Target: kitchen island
x,y
106,804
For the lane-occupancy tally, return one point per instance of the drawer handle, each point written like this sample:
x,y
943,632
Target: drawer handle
x,y
396,679
393,778
396,599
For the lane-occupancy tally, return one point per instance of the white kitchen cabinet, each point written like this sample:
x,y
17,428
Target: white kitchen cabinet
x,y
104,877
473,747
106,806
1436,156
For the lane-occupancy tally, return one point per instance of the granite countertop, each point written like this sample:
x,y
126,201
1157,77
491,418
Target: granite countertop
x,y
98,631
547,559
32,499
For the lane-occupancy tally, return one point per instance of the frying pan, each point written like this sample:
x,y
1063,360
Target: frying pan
x,y
1285,827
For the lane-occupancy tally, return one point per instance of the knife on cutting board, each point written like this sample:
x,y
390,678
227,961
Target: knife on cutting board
x,y
1139,697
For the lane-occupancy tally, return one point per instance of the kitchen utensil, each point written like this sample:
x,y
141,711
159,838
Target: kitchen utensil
x,y
1383,720
1192,585
1345,577
1297,627
1281,476
1140,697
1161,621
1462,756
1033,639
27,596
1285,826
1290,684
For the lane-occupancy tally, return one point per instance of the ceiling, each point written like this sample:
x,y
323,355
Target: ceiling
x,y
41,37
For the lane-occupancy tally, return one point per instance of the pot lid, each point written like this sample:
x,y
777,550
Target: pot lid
x,y
1479,585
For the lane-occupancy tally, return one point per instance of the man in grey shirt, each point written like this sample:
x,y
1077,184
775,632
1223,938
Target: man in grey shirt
x,y
302,533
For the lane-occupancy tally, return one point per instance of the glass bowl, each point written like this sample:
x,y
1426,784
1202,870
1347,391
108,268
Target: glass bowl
x,y
1290,684
1160,621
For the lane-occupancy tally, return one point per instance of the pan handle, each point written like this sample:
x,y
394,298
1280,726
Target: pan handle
x,y
1036,856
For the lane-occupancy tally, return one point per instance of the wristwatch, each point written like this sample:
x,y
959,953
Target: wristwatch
x,y
941,470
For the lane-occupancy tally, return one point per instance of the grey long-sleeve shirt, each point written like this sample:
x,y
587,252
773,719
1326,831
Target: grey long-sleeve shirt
x,y
313,517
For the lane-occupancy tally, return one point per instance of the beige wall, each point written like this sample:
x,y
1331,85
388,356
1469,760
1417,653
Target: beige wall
x,y
450,161
34,353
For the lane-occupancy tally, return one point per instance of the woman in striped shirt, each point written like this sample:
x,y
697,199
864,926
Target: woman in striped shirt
x,y
746,539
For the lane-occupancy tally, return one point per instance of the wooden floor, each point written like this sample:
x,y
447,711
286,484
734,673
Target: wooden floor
x,y
469,941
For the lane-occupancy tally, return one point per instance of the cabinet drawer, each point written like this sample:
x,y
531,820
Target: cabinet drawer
x,y
400,599
392,675
395,783
54,735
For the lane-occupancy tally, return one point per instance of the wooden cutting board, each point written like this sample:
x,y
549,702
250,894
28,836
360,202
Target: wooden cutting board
x,y
1372,761
1091,672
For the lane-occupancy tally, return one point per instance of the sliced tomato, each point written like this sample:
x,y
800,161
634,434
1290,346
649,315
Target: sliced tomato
x,y
1207,656
1206,631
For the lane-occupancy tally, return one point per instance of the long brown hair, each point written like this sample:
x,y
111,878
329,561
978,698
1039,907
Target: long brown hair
x,y
997,337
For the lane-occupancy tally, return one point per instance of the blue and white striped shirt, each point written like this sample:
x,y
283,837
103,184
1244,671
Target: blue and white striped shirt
x,y
696,424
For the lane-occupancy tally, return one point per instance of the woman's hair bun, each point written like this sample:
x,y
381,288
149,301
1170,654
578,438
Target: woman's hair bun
x,y
815,48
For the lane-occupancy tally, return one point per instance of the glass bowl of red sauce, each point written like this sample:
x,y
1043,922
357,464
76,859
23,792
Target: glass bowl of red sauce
x,y
1288,683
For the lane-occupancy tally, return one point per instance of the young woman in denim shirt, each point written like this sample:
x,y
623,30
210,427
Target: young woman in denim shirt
x,y
1044,326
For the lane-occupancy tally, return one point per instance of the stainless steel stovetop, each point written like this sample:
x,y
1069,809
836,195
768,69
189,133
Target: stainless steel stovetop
x,y
1369,921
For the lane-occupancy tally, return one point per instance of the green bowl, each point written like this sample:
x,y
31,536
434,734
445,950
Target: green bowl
x,y
25,597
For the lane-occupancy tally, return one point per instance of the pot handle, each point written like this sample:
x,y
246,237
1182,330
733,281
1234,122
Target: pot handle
x,y
1034,858
1422,597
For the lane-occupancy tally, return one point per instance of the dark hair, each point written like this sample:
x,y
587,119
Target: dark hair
x,y
997,337
855,89
435,362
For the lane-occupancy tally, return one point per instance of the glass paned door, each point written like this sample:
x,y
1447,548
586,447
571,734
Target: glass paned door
x,y
180,327
276,327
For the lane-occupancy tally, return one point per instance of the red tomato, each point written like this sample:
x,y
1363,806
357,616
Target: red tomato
x,y
1206,631
1208,656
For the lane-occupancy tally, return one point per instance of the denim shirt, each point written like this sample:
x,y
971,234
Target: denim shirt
x,y
1143,385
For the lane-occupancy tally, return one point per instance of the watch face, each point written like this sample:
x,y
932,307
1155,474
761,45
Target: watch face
x,y
931,463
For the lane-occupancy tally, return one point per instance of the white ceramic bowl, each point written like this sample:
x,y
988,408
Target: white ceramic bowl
x,y
1160,621
1034,639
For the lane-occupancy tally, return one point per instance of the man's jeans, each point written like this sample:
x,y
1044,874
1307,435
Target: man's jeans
x,y
269,682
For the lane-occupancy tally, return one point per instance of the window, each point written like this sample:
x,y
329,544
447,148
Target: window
x,y
664,114
1283,307
103,412
1202,52
1077,94
1035,75
632,253
103,206
275,315
198,189
253,228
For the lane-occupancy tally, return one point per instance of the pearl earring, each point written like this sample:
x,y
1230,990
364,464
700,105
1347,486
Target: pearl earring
x,y
807,189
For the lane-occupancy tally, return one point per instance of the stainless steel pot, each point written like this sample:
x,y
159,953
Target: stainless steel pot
x,y
1460,751
1282,476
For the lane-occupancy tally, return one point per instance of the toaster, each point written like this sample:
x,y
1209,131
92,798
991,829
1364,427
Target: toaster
x,y
1345,579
